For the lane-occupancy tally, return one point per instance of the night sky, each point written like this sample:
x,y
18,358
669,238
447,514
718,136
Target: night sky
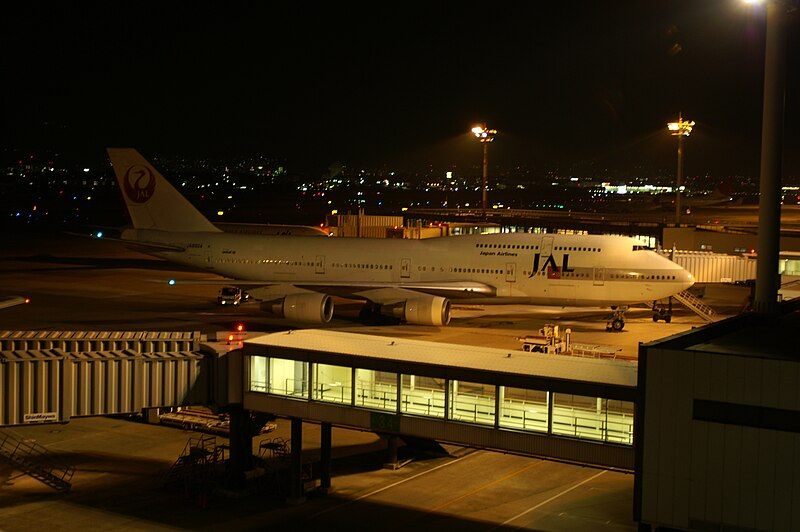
x,y
395,83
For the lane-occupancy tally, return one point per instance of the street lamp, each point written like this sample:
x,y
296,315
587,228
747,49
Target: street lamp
x,y
681,128
485,136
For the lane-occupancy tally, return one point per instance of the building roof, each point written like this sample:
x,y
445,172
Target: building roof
x,y
750,335
453,356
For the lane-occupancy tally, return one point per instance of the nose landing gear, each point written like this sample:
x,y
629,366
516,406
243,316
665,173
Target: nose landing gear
x,y
616,321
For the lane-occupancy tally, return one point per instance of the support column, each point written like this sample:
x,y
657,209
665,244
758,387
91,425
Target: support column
x,y
325,457
484,194
769,203
391,451
679,181
296,469
241,445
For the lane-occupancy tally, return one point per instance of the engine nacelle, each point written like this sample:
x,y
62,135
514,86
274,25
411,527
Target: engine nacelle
x,y
314,308
423,310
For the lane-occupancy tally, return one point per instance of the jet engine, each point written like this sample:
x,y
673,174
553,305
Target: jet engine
x,y
314,307
423,310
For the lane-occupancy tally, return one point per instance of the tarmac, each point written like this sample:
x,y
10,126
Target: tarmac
x,y
77,284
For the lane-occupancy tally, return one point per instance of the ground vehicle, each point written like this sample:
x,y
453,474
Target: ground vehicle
x,y
232,296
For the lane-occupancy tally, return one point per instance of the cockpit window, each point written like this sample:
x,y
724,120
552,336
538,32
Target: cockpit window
x,y
640,248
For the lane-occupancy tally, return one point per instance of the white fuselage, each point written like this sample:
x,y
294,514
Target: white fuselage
x,y
550,269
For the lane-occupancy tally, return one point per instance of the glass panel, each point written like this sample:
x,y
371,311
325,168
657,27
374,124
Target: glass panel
x,y
579,416
523,409
376,389
422,395
472,402
258,374
332,383
619,421
287,377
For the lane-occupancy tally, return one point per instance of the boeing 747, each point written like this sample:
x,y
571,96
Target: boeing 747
x,y
413,280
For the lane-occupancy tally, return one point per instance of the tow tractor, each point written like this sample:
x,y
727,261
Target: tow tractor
x,y
552,341
232,296
662,312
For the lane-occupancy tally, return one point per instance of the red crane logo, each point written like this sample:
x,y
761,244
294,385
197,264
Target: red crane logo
x,y
139,183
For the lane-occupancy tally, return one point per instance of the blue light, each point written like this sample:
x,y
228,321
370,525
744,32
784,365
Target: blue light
x,y
99,234
171,282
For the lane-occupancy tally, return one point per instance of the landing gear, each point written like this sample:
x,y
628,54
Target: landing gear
x,y
662,312
616,322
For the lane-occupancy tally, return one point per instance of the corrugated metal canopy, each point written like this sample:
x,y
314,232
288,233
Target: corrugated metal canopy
x,y
455,356
88,356
99,335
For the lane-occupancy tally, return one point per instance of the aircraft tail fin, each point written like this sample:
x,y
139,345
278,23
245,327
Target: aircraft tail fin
x,y
152,202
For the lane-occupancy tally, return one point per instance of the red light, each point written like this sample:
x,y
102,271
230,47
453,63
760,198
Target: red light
x,y
230,338
240,327
27,300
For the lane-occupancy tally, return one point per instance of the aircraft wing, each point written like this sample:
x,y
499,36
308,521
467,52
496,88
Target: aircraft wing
x,y
137,245
6,302
382,293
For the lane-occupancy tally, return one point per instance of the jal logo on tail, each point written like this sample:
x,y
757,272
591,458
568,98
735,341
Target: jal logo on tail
x,y
139,183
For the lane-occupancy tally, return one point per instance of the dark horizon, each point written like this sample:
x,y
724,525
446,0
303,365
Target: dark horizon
x,y
589,84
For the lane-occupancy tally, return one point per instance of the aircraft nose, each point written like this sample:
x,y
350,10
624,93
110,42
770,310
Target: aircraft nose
x,y
687,279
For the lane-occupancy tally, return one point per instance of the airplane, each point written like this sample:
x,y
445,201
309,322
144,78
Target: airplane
x,y
13,301
414,281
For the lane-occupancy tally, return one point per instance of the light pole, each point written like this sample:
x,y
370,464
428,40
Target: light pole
x,y
485,136
681,128
769,202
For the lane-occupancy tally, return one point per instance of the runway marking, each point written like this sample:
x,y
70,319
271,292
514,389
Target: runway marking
x,y
484,486
554,497
370,494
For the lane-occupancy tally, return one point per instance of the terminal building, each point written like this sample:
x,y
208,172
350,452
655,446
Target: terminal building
x,y
718,426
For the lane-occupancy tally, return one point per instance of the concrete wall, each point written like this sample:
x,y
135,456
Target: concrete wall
x,y
693,239
702,474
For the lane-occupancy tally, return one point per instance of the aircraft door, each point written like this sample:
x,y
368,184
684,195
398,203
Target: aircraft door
x,y
319,264
511,272
598,276
405,268
547,246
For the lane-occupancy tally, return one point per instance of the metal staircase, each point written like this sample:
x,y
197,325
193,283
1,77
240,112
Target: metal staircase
x,y
198,467
36,461
696,305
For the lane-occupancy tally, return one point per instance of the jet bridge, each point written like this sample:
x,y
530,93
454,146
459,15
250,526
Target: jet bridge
x,y
552,406
51,376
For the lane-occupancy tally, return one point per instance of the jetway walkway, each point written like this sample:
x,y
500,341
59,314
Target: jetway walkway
x,y
709,267
554,406
51,376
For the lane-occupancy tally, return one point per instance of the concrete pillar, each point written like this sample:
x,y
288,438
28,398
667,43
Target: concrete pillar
x,y
391,451
325,457
769,203
296,469
241,445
